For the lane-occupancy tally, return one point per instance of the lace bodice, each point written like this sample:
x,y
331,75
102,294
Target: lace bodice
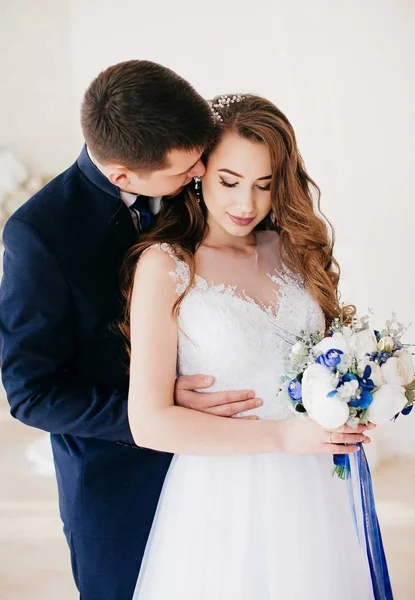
x,y
239,321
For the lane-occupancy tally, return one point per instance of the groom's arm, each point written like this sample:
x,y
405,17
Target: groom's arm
x,y
37,344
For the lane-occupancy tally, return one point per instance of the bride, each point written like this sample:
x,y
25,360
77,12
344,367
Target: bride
x,y
232,272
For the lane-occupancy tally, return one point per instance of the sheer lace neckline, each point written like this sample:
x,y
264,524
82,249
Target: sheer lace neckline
x,y
258,280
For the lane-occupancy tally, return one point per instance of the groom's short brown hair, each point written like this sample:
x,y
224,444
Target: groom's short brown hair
x,y
136,111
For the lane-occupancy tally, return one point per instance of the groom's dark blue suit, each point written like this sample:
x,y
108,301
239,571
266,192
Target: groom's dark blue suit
x,y
64,368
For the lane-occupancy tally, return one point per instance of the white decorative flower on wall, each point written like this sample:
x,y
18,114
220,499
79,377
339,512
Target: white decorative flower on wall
x,y
13,173
16,184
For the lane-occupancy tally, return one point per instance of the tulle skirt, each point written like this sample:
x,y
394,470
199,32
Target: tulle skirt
x,y
266,527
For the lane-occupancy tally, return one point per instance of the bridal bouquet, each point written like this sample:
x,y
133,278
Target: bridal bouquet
x,y
354,375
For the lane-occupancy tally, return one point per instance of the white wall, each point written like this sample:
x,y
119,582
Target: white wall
x,y
38,119
342,72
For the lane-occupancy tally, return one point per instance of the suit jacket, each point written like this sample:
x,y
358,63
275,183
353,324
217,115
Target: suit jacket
x,y
64,366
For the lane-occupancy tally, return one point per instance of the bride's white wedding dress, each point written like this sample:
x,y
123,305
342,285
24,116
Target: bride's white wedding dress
x,y
264,527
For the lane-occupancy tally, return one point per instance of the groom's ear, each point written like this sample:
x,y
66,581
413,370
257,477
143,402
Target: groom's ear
x,y
119,176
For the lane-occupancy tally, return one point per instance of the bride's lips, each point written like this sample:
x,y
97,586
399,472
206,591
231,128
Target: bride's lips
x,y
240,221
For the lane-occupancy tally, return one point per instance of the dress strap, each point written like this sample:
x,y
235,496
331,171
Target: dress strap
x,y
181,273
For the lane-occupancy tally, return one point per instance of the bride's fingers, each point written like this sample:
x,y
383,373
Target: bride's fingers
x,y
347,429
347,438
248,418
339,449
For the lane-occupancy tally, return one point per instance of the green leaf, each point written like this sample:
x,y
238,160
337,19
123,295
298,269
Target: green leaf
x,y
410,386
410,395
363,417
341,472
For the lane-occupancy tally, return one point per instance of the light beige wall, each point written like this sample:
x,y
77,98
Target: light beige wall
x,y
38,119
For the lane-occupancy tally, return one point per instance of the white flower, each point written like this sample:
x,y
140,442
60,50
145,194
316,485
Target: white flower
x,y
406,357
386,343
376,371
394,370
353,421
345,363
337,341
13,173
387,402
347,332
348,390
299,350
317,383
362,343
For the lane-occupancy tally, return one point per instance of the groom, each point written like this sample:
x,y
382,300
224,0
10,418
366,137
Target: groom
x,y
64,365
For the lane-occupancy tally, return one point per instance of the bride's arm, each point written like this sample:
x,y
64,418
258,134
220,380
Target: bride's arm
x,y
154,419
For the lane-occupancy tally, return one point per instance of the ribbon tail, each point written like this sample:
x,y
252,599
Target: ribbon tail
x,y
362,503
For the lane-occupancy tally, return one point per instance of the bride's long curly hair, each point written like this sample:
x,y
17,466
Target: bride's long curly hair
x,y
306,238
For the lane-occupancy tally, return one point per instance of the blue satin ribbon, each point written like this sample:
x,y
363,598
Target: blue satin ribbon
x,y
362,503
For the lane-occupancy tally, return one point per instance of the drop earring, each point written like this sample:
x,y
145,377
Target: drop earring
x,y
198,188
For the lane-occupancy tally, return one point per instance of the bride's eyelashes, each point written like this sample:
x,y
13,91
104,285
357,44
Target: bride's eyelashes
x,y
228,185
233,185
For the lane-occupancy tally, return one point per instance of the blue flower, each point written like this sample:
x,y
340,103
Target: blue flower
x,y
364,400
366,386
347,377
331,359
295,390
365,382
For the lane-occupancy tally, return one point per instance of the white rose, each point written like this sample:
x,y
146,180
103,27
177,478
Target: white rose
x,y
385,343
362,343
406,357
337,341
317,382
387,402
394,370
376,372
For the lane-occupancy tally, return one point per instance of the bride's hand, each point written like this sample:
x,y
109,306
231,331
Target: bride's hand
x,y
304,436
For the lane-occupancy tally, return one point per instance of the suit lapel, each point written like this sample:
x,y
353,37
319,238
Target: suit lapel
x,y
121,222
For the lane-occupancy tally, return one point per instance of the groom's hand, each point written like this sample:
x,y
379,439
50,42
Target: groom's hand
x,y
221,404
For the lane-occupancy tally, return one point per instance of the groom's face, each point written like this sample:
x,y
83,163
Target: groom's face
x,y
181,167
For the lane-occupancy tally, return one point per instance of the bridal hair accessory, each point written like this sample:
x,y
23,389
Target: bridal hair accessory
x,y
198,188
223,102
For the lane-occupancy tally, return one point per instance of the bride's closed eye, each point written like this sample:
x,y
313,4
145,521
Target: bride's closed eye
x,y
228,185
232,185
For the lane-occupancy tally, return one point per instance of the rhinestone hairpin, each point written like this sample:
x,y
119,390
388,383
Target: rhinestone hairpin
x,y
223,102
